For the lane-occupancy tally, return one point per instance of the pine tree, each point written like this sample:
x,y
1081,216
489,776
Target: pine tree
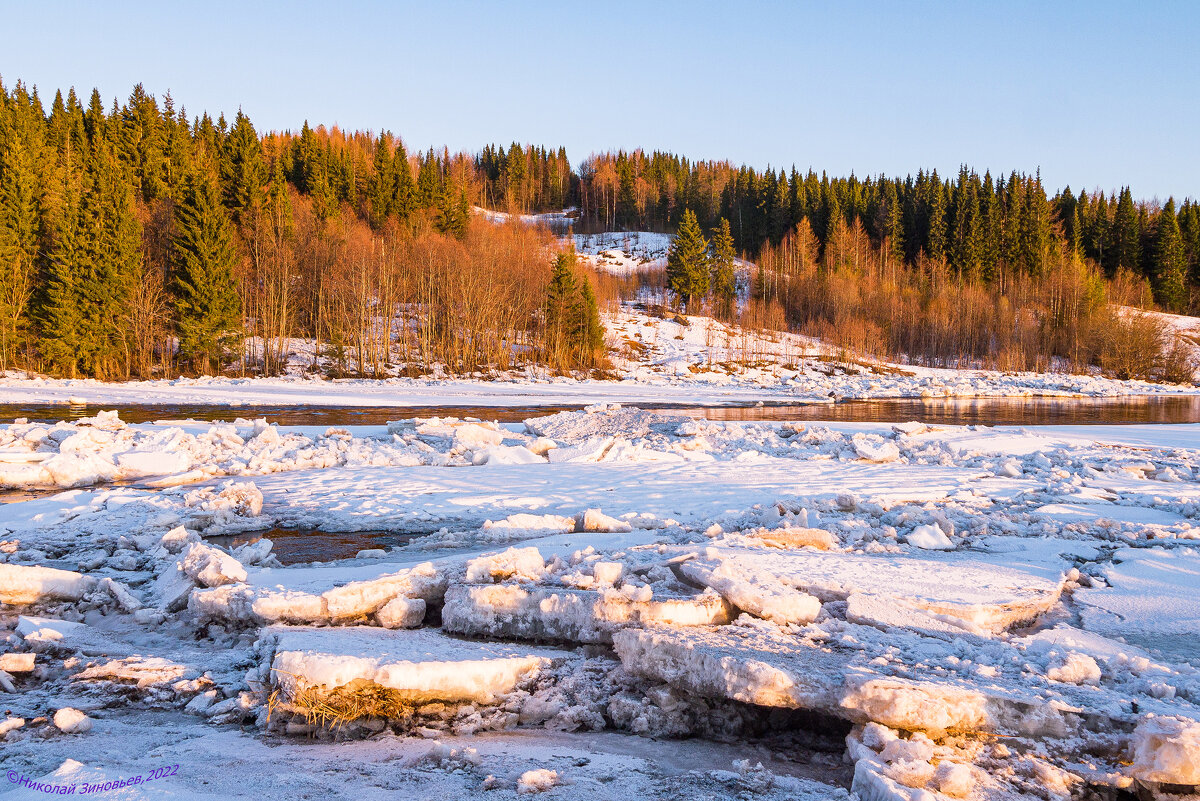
x,y
721,259
1169,268
208,305
687,261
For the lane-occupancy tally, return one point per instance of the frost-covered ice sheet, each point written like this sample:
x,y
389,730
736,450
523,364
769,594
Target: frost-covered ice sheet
x,y
859,605
1153,600
217,763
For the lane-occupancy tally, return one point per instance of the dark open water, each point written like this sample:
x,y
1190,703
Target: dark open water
x,y
980,411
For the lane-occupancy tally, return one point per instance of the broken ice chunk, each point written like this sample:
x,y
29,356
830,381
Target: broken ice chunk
x,y
71,721
1167,750
20,584
401,613
211,567
521,563
419,666
586,616
769,600
929,538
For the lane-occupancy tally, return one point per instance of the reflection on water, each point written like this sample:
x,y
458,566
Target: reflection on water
x,y
297,545
21,495
974,411
982,411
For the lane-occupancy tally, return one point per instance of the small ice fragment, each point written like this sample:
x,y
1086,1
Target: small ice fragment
x,y
930,538
71,721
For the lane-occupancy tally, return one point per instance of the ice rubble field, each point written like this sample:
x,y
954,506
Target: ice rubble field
x,y
608,603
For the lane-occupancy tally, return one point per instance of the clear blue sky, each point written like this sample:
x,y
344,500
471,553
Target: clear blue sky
x,y
1095,94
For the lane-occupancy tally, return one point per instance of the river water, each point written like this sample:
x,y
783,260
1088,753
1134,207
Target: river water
x,y
974,411
293,546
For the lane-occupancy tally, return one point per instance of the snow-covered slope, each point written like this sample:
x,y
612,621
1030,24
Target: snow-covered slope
x,y
624,252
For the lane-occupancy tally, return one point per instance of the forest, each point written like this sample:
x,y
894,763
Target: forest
x,y
139,241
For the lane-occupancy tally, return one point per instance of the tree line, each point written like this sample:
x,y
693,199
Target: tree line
x,y
996,229
861,296
138,241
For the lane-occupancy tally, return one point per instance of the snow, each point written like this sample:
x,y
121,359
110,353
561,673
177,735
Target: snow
x,y
211,567
323,597
521,563
1151,600
550,218
987,611
991,598
624,252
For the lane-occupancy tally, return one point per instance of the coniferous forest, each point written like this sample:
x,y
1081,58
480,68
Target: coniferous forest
x,y
138,240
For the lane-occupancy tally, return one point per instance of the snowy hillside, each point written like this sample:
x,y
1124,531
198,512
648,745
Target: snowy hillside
x,y
624,252
555,220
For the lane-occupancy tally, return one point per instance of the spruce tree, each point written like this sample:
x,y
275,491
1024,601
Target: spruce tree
x,y
404,198
116,241
721,259
687,261
243,171
383,184
20,232
894,224
588,330
1169,261
1125,249
560,308
1189,229
992,237
453,215
1035,226
207,304
935,247
60,312
429,181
